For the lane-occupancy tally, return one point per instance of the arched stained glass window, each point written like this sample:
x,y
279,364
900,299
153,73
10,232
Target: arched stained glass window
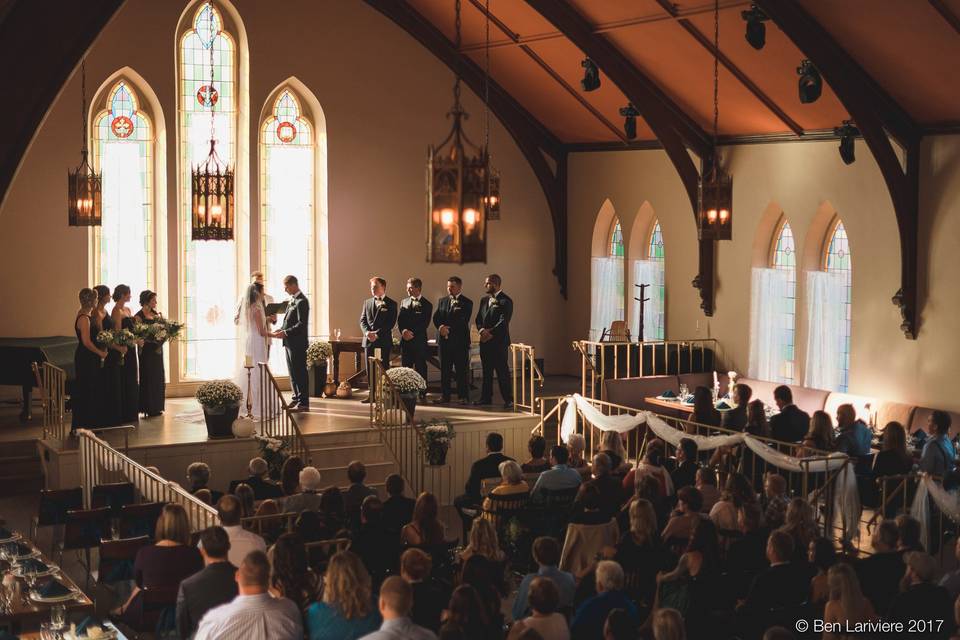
x,y
209,290
837,260
784,256
287,160
123,151
617,252
658,294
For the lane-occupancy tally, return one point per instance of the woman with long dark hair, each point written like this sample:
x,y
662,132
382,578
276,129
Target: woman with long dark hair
x,y
86,362
152,376
291,576
425,528
110,402
129,386
467,617
704,411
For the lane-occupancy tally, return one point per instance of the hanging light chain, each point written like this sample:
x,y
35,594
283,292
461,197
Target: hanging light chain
x,y
83,106
486,92
716,81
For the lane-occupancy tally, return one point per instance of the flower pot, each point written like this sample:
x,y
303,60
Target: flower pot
x,y
437,455
317,375
330,389
220,421
344,391
409,401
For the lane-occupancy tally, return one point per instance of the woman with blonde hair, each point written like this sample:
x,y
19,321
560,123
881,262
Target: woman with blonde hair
x,y
800,525
612,445
511,484
668,625
483,542
847,604
640,548
576,445
425,528
346,609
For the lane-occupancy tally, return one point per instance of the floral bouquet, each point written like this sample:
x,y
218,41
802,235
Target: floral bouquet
x,y
406,380
317,352
172,327
395,340
121,338
437,434
154,332
274,451
106,339
219,394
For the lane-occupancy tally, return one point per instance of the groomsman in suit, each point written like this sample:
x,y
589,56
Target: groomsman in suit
x,y
493,321
294,334
413,320
377,320
452,320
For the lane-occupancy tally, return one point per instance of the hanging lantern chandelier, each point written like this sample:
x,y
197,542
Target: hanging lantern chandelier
x,y
211,181
84,185
715,210
458,189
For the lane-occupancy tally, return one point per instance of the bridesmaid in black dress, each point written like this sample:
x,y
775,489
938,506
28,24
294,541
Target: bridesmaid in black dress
x,y
152,378
108,411
86,362
129,381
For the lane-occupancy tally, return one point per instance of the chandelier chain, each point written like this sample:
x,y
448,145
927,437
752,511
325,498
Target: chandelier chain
x,y
83,106
456,46
486,90
716,79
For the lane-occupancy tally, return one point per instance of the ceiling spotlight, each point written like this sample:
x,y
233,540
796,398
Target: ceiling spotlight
x,y
591,75
630,114
811,84
756,30
848,133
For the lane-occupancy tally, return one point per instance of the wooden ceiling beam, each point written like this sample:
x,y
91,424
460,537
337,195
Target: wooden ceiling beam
x,y
952,19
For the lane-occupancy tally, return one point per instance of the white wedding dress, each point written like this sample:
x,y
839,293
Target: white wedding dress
x,y
252,319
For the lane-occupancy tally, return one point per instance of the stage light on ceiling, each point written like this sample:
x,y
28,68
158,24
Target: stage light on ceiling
x,y
756,30
591,75
848,133
629,114
810,85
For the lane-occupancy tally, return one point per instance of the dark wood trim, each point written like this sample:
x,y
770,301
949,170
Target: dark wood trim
x,y
810,135
946,14
531,136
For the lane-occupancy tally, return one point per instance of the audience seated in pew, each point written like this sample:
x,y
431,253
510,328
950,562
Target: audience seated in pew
x,y
242,541
354,495
430,596
588,621
686,517
346,609
847,605
774,500
920,598
641,552
307,498
822,556
559,477
784,585
425,528
546,553
488,466
290,475
612,444
396,601
609,487
791,423
397,508
544,599
198,478
685,475
210,587
291,576
747,554
379,548
706,484
576,445
537,447
651,465
263,488
881,572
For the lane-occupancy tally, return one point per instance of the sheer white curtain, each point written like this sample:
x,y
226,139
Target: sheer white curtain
x,y
648,272
826,314
768,318
123,254
606,287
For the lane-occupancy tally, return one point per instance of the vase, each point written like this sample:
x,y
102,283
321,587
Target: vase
x,y
244,427
220,421
437,455
330,389
409,401
317,375
344,391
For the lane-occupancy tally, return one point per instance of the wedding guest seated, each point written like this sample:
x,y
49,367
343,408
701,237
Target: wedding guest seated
x,y
587,622
612,444
880,573
774,501
309,527
357,491
822,555
735,419
735,494
701,558
482,541
291,576
588,507
652,466
951,580
308,498
379,548
345,610
791,423
668,625
819,437
920,598
544,598
685,475
205,496
248,503
908,534
396,601
425,528
609,487
397,509
214,585
546,553
537,446
198,477
893,458
242,541
467,618
430,596
847,605
620,626
253,609
641,551
576,445
468,504
706,484
263,488
783,584
488,579
685,517
332,511
800,525
560,476
290,475
512,484
269,529
938,457
747,555
855,437
704,411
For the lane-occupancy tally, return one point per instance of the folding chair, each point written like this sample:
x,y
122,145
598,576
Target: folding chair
x,y
83,531
53,508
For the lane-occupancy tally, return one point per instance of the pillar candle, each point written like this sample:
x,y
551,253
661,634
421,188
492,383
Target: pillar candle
x,y
248,361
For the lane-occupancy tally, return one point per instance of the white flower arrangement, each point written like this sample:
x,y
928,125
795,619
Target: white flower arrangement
x,y
218,394
318,352
406,380
438,433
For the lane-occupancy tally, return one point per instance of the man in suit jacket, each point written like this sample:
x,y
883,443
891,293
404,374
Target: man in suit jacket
x,y
263,489
486,467
294,333
792,423
214,585
452,320
377,320
783,585
412,320
736,419
493,321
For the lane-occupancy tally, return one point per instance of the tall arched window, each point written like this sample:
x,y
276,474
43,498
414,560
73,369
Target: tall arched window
x,y
617,253
658,294
287,159
837,260
208,286
606,271
123,150
784,258
828,295
773,310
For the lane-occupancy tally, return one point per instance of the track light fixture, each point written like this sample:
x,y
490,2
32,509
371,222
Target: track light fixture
x,y
811,84
591,75
630,114
848,133
756,30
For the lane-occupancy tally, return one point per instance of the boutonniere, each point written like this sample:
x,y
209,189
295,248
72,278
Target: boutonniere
x,y
381,306
492,303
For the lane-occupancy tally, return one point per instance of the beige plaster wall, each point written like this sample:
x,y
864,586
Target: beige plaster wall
x,y
807,182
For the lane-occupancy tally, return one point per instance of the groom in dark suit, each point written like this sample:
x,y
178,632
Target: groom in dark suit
x,y
452,320
377,320
294,334
493,321
412,320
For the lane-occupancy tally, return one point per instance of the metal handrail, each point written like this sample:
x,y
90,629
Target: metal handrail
x,y
52,381
395,426
276,420
525,376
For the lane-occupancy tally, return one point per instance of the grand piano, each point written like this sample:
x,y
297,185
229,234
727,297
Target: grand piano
x,y
17,356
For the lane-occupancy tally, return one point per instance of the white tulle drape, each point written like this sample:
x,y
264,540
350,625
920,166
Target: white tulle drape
x,y
768,323
648,272
947,501
607,288
826,314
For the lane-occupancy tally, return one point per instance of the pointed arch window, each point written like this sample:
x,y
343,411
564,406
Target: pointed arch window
x,y
209,283
616,254
607,295
773,310
123,150
837,260
658,294
784,258
829,296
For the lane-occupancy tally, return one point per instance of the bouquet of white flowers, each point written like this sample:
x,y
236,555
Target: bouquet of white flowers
x,y
106,339
172,327
406,380
219,394
437,434
318,351
121,338
274,451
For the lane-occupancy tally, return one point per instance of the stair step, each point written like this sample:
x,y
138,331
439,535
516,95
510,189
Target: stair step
x,y
21,465
377,472
21,484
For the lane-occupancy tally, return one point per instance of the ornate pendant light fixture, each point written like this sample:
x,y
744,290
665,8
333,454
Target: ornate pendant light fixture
x,y
716,186
211,184
491,192
84,185
456,186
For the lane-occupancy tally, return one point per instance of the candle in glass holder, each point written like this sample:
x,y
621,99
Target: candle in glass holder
x,y
248,361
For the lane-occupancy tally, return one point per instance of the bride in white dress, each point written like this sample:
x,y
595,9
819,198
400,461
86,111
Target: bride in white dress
x,y
254,338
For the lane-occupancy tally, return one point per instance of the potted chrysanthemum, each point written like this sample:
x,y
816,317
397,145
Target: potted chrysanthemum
x,y
409,385
437,435
318,353
220,400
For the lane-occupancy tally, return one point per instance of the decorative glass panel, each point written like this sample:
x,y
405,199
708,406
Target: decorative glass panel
x,y
616,251
838,261
658,295
785,257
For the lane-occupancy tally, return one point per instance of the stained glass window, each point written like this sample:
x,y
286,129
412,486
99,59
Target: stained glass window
x,y
837,260
209,269
658,295
123,150
287,202
785,257
616,251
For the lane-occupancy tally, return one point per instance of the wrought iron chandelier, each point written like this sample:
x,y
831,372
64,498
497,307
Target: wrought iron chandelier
x,y
84,185
716,186
211,182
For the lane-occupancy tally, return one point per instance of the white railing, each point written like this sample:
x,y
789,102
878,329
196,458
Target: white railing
x,y
52,381
526,377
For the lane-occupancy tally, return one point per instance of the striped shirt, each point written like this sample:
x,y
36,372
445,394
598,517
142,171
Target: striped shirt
x,y
257,617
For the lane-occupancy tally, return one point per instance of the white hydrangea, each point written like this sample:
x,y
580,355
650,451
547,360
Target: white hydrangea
x,y
219,393
406,380
318,351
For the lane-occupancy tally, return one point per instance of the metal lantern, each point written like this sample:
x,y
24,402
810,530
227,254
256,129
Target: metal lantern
x,y
491,198
84,185
716,206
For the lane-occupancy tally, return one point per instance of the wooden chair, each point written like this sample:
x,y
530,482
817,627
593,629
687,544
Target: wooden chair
x,y
114,495
153,610
618,332
116,559
320,552
139,519
53,508
82,531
